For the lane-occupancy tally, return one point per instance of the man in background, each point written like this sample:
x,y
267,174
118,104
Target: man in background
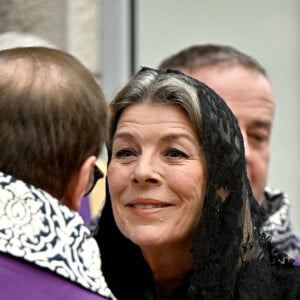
x,y
243,84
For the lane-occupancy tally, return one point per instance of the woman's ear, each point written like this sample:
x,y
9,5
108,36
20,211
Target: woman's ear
x,y
78,184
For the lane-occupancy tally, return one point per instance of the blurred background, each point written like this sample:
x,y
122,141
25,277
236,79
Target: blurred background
x,y
113,38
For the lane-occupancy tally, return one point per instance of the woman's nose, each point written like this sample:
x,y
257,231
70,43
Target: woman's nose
x,y
145,171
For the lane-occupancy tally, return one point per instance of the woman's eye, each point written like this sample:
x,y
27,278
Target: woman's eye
x,y
125,153
175,153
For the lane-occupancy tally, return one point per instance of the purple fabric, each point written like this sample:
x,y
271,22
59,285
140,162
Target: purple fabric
x,y
85,210
297,261
23,280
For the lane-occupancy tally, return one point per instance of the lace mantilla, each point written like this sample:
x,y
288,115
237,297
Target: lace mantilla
x,y
37,228
232,259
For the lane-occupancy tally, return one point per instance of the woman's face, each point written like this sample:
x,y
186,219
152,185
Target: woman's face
x,y
157,175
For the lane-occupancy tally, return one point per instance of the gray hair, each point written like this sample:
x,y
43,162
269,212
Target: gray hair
x,y
149,85
200,56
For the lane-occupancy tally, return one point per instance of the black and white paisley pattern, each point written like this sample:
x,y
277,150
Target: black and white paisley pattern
x,y
278,224
37,228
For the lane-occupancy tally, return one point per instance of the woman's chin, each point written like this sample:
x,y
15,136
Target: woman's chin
x,y
145,238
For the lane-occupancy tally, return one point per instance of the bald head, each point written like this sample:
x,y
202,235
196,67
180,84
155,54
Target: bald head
x,y
52,116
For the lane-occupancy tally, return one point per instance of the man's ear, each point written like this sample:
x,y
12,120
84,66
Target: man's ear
x,y
78,184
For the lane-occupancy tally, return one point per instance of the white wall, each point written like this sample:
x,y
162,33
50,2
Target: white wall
x,y
269,30
115,44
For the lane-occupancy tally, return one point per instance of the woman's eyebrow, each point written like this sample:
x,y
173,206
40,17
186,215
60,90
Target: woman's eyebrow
x,y
167,138
124,136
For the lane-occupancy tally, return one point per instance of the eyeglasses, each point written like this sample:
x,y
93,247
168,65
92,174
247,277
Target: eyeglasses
x,y
95,175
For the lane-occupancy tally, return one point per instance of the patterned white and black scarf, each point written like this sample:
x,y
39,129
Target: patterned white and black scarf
x,y
39,229
278,225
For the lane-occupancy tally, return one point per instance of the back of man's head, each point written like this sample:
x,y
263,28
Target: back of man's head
x,y
200,56
53,116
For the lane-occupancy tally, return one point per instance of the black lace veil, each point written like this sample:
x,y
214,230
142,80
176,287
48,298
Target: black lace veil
x,y
231,257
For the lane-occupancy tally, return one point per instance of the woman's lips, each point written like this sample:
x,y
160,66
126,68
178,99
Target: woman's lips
x,y
147,206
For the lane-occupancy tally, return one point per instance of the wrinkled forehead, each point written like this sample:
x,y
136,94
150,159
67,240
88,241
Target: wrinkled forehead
x,y
231,77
